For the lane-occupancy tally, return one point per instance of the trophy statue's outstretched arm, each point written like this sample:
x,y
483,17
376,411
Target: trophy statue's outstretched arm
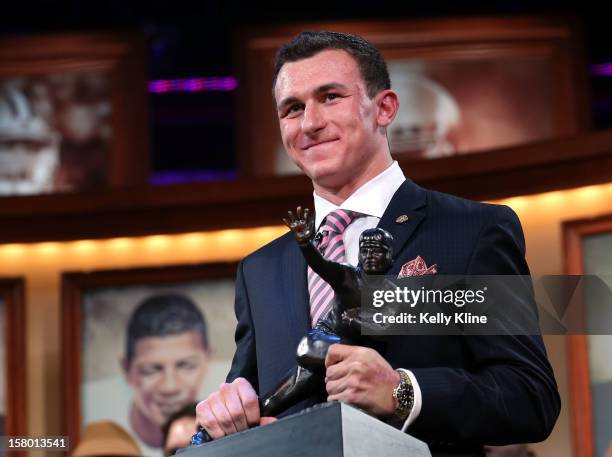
x,y
302,225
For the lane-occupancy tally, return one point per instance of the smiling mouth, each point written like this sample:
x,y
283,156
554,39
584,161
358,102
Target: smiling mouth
x,y
319,143
169,408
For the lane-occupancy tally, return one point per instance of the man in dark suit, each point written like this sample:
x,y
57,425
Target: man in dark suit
x,y
334,106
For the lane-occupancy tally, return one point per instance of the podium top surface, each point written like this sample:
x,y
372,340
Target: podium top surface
x,y
328,429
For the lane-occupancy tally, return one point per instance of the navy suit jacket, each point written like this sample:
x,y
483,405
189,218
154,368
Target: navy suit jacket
x,y
476,390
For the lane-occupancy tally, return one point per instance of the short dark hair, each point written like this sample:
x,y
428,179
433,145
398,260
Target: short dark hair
x,y
370,61
189,410
164,315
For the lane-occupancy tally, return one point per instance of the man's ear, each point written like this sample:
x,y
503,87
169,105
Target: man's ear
x,y
387,102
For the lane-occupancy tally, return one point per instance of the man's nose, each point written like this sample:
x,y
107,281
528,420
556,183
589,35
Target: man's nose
x,y
313,119
169,383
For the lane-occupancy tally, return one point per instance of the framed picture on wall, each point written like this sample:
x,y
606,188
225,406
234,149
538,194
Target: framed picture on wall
x,y
465,86
588,244
73,113
140,344
12,357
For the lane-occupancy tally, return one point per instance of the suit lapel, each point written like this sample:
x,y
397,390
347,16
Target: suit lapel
x,y
404,214
295,290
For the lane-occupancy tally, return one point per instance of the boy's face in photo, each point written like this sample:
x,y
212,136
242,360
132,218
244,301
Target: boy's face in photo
x,y
166,373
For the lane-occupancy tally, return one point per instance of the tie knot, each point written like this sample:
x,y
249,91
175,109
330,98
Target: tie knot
x,y
337,221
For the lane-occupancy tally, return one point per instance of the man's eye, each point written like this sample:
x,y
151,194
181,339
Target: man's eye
x,y
330,97
149,370
185,365
295,109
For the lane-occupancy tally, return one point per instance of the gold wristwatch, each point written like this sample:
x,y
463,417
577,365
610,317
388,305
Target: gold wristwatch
x,y
403,395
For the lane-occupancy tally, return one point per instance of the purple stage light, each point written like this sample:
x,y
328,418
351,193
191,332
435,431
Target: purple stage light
x,y
602,69
159,86
213,83
165,178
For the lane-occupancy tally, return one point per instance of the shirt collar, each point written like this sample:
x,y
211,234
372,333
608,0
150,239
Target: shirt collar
x,y
371,199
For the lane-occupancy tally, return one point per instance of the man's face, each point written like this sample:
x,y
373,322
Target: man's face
x,y
327,121
166,373
374,258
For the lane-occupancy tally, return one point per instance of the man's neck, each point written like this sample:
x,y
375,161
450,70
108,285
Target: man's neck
x,y
339,193
148,432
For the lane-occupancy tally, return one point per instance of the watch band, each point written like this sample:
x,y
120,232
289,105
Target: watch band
x,y
403,395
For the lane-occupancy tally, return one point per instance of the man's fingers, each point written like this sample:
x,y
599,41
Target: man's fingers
x,y
267,420
337,353
214,416
299,212
208,421
306,214
249,400
336,387
336,371
234,406
222,414
286,222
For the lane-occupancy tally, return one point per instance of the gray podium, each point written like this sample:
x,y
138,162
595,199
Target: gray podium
x,y
327,430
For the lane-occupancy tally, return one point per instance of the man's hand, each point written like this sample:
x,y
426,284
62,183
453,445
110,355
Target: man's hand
x,y
361,377
301,224
233,408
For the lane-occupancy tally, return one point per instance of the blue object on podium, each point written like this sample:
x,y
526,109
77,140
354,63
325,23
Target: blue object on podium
x,y
327,430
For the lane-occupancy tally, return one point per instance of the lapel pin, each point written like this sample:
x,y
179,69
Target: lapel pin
x,y
401,219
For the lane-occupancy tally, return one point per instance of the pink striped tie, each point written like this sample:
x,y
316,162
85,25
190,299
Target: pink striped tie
x,y
332,248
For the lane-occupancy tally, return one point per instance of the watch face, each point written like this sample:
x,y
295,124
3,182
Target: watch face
x,y
401,398
405,393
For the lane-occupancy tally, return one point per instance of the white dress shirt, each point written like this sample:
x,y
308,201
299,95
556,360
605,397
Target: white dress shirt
x,y
372,200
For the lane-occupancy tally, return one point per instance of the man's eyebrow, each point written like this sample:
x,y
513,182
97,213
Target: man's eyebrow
x,y
330,86
286,102
319,90
193,356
